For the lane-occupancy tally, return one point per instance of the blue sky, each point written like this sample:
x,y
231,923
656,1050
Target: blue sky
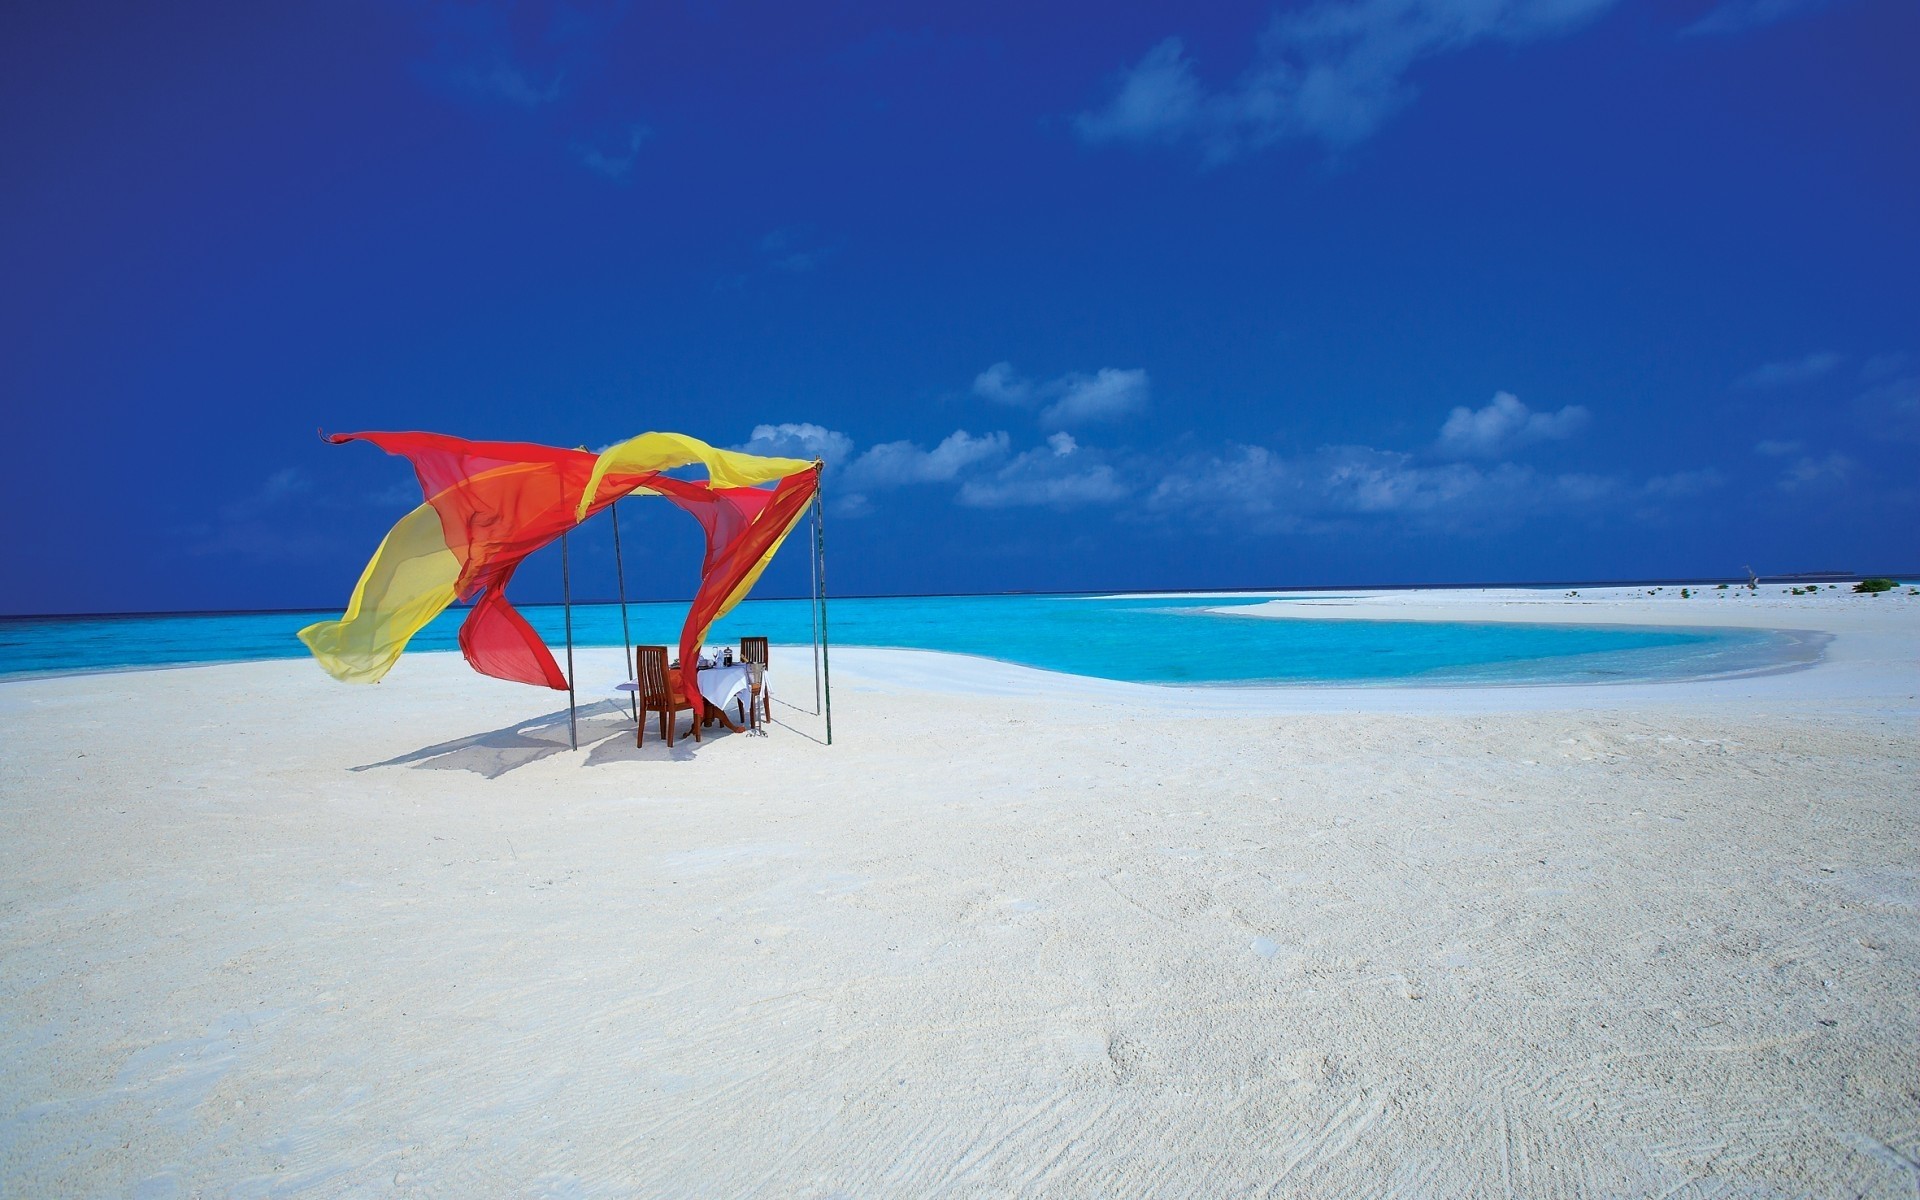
x,y
1130,296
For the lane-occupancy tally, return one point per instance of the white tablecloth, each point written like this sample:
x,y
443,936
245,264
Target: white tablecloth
x,y
720,685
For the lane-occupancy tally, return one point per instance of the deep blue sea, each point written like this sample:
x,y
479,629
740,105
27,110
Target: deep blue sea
x,y
1147,640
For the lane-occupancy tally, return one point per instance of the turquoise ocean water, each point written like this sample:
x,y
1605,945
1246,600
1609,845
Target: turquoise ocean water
x,y
1146,640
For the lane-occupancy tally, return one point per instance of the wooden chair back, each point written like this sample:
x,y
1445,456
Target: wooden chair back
x,y
650,663
659,693
754,650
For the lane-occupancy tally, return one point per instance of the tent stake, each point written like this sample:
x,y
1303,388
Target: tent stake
x,y
826,656
566,596
620,573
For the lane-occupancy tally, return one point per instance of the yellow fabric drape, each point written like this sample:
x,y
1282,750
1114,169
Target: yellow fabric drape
x,y
665,451
409,581
415,574
746,585
753,576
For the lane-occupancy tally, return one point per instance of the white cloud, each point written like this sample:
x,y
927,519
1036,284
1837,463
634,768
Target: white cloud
x,y
480,52
1001,384
1107,395
1790,372
1351,488
1737,16
894,464
799,440
1810,474
850,504
505,81
1505,425
540,58
1246,480
1334,488
1045,478
1159,100
617,163
1882,366
1659,497
1360,479
887,465
1075,398
1338,485
1682,484
1334,72
1891,410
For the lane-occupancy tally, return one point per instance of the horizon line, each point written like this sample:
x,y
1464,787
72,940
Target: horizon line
x,y
1792,577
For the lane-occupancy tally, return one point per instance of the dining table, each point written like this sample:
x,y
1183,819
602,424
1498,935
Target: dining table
x,y
720,686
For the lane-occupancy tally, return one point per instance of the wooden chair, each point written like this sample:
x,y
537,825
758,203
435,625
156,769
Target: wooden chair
x,y
660,692
754,650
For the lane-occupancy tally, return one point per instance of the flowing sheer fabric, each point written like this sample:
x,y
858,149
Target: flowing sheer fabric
x,y
410,579
654,452
745,527
490,504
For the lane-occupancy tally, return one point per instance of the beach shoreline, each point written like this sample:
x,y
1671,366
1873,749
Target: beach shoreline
x,y
1014,932
1619,609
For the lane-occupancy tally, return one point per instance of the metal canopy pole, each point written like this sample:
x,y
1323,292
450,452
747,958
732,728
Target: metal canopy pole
x,y
813,603
566,596
620,573
826,657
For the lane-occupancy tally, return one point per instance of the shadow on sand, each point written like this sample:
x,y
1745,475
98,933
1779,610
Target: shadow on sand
x,y
812,718
606,734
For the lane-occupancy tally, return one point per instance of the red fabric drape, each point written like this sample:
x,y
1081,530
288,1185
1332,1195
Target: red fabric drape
x,y
498,502
742,525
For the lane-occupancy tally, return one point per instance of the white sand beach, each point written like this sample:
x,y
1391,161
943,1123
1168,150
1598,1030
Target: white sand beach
x,y
1013,934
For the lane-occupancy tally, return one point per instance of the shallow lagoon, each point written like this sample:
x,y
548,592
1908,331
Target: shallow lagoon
x,y
1169,640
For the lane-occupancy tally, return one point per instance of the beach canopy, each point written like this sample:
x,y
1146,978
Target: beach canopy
x,y
490,504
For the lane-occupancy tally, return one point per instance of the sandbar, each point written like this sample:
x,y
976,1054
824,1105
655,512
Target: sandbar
x,y
1012,934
